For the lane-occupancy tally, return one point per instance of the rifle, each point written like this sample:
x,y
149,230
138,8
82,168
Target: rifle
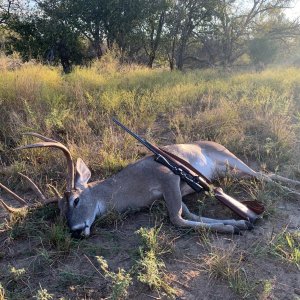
x,y
197,181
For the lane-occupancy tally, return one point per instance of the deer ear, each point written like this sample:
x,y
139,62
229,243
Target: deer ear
x,y
83,174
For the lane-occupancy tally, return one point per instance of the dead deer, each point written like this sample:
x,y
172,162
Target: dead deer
x,y
141,183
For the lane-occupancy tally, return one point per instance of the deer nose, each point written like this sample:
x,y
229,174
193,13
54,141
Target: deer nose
x,y
77,234
79,231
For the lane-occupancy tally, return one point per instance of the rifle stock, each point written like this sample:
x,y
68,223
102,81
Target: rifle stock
x,y
236,206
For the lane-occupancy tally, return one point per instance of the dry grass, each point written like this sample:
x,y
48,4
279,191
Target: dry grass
x,y
225,263
256,116
252,114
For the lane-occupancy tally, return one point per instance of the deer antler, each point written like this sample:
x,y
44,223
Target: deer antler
x,y
53,143
18,198
36,190
34,187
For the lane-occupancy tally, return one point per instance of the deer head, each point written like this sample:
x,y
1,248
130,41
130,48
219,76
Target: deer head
x,y
77,205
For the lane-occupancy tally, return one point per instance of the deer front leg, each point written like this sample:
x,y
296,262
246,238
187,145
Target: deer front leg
x,y
173,198
240,224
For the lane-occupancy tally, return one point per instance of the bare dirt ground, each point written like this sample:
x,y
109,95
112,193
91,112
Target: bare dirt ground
x,y
76,275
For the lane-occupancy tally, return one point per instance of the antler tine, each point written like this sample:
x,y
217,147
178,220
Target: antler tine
x,y
9,208
34,187
70,177
55,191
18,198
42,137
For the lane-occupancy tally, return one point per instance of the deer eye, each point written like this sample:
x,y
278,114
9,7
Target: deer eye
x,y
76,202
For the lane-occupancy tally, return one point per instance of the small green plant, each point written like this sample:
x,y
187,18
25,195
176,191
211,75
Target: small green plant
x,y
287,246
120,281
17,274
2,292
43,294
268,286
151,269
153,240
151,272
68,277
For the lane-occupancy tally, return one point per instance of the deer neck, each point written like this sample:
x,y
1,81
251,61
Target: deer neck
x,y
108,194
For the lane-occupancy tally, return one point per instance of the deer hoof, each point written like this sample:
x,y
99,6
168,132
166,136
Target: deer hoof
x,y
236,230
249,225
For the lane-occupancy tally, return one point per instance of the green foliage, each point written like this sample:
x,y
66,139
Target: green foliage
x,y
60,237
287,246
42,294
268,286
181,32
69,278
119,281
150,266
262,50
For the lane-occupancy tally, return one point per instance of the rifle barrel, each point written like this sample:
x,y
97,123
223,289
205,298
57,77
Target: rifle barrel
x,y
141,140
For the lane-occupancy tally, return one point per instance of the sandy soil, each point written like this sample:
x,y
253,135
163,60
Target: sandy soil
x,y
185,267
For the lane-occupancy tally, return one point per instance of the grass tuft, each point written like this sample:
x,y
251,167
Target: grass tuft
x,y
286,245
226,264
60,238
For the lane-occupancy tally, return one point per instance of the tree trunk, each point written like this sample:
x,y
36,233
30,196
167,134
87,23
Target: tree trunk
x,y
181,51
64,56
155,41
97,41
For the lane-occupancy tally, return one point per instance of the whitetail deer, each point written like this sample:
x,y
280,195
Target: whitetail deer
x,y
141,183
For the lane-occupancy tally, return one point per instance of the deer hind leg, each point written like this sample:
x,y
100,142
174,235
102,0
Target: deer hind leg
x,y
242,170
240,224
173,198
282,179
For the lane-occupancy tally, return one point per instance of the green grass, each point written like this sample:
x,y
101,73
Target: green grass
x,y
286,245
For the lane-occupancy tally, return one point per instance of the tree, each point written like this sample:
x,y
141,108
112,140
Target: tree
x,y
262,50
47,35
152,28
7,8
186,19
235,22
